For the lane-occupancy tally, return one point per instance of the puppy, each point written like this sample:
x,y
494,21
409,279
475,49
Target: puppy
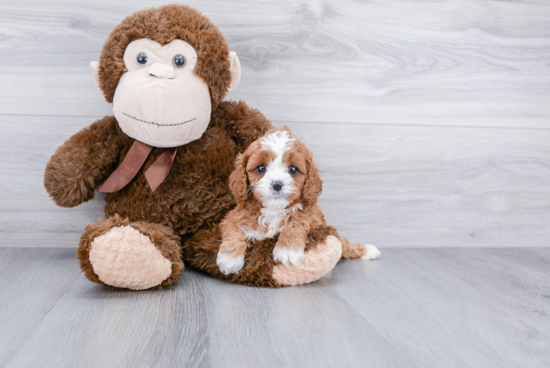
x,y
276,185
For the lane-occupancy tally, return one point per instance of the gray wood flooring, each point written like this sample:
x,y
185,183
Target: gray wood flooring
x,y
429,119
412,308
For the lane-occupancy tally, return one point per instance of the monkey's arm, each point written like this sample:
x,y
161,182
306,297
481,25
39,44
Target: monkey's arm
x,y
243,123
83,162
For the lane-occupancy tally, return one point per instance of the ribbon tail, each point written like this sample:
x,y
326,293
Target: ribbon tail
x,y
127,170
159,170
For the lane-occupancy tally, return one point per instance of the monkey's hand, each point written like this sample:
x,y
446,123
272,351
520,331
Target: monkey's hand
x,y
82,163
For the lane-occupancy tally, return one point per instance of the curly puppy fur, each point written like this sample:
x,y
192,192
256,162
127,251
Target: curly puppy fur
x,y
292,210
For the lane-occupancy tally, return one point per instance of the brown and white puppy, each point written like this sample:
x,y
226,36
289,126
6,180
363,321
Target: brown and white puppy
x,y
276,185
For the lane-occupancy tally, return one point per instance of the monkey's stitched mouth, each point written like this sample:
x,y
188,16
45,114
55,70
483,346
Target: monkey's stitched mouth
x,y
157,124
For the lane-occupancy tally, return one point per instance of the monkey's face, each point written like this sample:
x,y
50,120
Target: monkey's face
x,y
165,83
160,100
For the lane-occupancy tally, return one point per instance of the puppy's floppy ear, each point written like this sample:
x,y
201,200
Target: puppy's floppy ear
x,y
238,181
313,186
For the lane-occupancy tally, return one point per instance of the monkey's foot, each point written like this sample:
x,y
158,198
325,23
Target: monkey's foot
x,y
136,256
323,250
317,262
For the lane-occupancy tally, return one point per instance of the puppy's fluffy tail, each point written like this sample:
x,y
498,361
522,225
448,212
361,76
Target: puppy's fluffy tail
x,y
358,251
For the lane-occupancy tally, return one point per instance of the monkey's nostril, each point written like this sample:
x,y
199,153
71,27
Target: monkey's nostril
x,y
277,186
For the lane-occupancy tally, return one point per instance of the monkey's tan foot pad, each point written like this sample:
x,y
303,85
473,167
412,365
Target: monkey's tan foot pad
x,y
130,255
317,263
125,258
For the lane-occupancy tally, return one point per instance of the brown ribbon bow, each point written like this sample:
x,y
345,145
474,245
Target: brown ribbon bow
x,y
132,163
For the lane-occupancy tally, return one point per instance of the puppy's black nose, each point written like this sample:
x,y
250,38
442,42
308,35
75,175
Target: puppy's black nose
x,y
277,186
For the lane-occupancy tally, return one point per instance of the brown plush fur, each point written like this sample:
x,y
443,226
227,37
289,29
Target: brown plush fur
x,y
201,251
194,195
297,224
83,162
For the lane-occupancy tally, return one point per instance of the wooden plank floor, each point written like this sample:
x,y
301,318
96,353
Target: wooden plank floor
x,y
412,308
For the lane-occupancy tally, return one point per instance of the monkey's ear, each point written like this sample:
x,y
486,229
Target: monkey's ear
x,y
94,65
235,70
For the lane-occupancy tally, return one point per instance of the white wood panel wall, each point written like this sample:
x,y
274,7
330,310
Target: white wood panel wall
x,y
430,120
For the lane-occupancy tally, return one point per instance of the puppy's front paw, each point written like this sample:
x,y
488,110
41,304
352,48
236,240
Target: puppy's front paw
x,y
371,253
286,255
228,263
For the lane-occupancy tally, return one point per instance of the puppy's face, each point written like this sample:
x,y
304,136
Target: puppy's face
x,y
277,170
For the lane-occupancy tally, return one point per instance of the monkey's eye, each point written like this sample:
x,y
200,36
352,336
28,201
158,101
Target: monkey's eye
x,y
178,61
260,169
293,170
142,59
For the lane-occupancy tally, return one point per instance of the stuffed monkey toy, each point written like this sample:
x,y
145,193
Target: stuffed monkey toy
x,y
165,157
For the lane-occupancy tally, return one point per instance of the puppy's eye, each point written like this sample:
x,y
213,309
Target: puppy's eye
x,y
292,170
260,169
142,59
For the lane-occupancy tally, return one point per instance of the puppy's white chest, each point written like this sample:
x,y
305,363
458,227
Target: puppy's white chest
x,y
268,222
